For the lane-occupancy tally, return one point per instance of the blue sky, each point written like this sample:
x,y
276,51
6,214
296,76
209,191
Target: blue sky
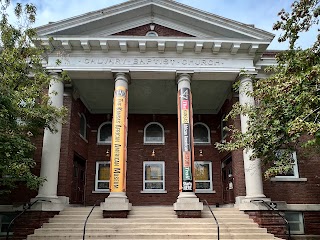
x,y
260,13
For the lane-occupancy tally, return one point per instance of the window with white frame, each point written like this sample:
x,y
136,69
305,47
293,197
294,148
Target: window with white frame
x,y
295,220
5,219
102,180
105,133
153,133
153,176
203,176
293,172
201,133
83,126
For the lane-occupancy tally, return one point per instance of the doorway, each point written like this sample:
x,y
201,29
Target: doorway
x,y
78,180
227,181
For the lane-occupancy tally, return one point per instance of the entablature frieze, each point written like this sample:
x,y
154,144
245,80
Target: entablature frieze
x,y
140,63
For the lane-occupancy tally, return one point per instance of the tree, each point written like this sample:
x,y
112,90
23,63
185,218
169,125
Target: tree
x,y
287,110
24,109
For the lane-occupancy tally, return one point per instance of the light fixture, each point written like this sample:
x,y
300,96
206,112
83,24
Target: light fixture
x,y
200,153
153,154
108,153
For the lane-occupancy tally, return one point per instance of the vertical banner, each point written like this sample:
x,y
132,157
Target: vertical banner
x,y
185,139
119,140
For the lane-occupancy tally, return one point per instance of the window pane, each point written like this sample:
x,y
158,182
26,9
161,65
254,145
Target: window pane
x,y
200,133
202,171
154,185
106,133
83,126
154,133
292,216
104,171
203,185
103,185
295,227
153,172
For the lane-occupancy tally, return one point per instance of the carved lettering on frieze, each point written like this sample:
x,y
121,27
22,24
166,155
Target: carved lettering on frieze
x,y
205,62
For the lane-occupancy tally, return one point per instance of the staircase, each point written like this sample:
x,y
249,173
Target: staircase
x,y
158,222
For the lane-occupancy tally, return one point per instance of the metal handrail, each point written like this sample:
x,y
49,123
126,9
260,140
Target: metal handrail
x,y
85,223
274,210
28,206
218,227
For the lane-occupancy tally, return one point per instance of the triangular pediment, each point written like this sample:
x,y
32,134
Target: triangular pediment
x,y
173,20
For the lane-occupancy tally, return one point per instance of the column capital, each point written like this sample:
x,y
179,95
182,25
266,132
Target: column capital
x,y
183,77
124,76
55,72
245,77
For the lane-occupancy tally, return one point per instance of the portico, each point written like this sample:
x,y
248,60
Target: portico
x,y
125,82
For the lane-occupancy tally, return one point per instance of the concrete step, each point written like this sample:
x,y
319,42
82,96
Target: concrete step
x,y
181,225
149,236
148,230
150,220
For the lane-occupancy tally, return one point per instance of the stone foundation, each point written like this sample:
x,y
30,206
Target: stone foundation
x,y
271,221
28,222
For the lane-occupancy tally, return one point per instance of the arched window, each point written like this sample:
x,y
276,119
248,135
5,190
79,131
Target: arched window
x,y
105,133
83,126
201,134
152,34
153,133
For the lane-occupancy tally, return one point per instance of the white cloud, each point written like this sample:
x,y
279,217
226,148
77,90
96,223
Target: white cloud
x,y
261,14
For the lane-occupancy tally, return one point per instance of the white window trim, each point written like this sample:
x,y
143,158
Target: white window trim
x,y
295,169
97,180
208,131
210,181
85,126
163,190
300,222
98,135
153,142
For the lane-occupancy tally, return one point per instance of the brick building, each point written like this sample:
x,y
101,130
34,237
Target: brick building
x,y
134,135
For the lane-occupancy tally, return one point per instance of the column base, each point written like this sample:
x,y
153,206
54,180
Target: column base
x,y
188,205
50,204
248,203
116,205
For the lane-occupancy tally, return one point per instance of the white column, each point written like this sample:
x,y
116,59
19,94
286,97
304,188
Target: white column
x,y
252,168
117,199
51,145
187,199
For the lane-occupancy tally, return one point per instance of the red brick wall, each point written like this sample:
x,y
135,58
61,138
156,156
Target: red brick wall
x,y
239,186
271,221
71,143
162,31
312,223
299,192
138,153
28,222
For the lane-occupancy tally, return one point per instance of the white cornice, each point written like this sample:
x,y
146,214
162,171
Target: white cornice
x,y
162,44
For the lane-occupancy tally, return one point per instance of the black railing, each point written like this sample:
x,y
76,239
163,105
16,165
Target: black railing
x,y
218,227
25,208
276,211
85,223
